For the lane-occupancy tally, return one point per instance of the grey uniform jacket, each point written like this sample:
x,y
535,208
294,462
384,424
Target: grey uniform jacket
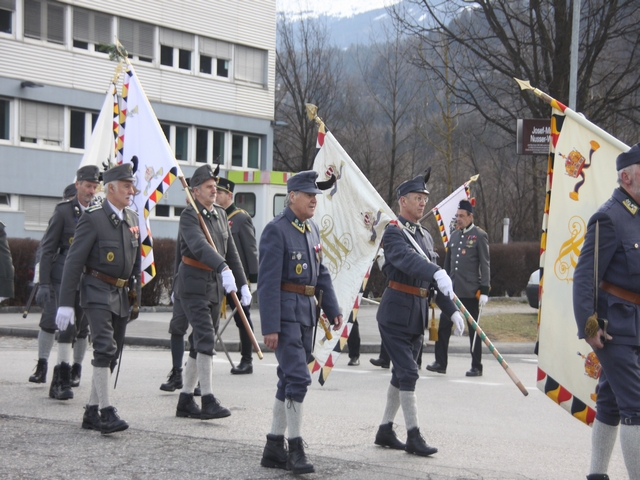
x,y
6,266
244,236
57,240
194,282
402,311
288,255
467,262
618,264
109,245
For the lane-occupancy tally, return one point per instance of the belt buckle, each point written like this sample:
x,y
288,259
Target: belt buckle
x,y
309,290
121,282
423,292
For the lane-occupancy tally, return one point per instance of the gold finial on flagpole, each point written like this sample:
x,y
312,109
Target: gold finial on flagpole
x,y
312,114
474,178
117,73
525,85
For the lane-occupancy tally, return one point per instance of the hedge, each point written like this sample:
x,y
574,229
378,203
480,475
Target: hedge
x,y
511,266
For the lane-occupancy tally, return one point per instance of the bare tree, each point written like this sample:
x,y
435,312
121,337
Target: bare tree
x,y
308,70
393,86
492,41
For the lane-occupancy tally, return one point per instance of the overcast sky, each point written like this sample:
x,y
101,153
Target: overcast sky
x,y
331,7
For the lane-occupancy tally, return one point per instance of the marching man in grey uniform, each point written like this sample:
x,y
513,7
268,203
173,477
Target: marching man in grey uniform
x,y
105,259
204,276
244,236
291,276
404,309
53,249
6,267
467,263
617,345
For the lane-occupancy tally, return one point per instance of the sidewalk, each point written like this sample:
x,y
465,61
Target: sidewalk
x,y
151,328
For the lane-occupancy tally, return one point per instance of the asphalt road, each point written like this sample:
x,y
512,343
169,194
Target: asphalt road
x,y
484,427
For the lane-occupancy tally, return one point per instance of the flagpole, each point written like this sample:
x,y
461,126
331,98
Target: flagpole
x,y
577,117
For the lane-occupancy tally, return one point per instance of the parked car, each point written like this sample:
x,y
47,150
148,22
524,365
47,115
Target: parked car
x,y
532,289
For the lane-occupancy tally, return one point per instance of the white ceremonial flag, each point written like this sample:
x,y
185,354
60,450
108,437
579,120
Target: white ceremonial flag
x,y
445,212
583,177
156,165
352,217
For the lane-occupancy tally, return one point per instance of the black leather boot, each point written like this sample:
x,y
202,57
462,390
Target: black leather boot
x,y
297,460
243,368
91,418
64,386
211,408
379,362
110,422
187,407
76,373
417,445
40,375
174,381
386,437
275,453
598,476
55,382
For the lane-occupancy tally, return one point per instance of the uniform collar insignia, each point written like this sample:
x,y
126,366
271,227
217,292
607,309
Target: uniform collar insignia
x,y
114,219
630,205
206,213
300,225
413,227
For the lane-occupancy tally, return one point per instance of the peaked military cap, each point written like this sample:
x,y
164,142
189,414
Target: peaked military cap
x,y
202,174
630,157
70,191
417,184
306,182
466,205
120,172
226,184
90,173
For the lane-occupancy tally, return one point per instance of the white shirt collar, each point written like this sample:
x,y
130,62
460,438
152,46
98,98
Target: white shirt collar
x,y
469,227
117,211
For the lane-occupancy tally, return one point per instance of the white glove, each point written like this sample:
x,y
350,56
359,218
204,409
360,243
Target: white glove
x,y
245,295
65,317
380,259
483,301
228,281
444,283
458,321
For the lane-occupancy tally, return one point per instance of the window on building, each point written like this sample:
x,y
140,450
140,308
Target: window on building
x,y
202,141
250,64
137,38
218,147
178,138
44,20
177,211
4,119
41,123
176,48
236,150
7,7
37,211
245,151
80,127
5,200
246,201
91,30
163,210
215,56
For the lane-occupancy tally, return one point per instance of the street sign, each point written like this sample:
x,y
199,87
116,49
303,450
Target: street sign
x,y
534,135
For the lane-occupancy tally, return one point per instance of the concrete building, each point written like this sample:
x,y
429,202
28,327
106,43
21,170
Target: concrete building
x,y
208,68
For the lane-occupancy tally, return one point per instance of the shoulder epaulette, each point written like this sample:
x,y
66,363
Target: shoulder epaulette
x,y
93,208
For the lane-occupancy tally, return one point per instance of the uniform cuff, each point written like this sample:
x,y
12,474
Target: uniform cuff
x,y
484,290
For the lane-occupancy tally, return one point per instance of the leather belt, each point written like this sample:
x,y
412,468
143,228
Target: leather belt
x,y
196,263
308,290
620,292
116,282
401,287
